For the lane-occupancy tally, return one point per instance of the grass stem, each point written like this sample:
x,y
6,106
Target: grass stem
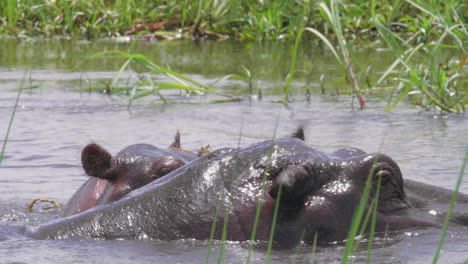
x,y
12,117
450,210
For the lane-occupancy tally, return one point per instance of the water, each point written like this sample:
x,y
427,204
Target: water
x,y
53,123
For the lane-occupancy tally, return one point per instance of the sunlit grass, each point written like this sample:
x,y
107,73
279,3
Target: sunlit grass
x,y
250,19
423,77
425,27
431,82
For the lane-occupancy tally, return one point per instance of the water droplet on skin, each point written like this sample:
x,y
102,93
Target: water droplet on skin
x,y
142,236
411,234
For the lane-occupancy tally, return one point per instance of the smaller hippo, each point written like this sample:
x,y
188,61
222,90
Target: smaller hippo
x,y
132,168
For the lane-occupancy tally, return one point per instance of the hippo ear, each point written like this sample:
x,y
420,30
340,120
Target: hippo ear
x,y
299,133
95,160
176,143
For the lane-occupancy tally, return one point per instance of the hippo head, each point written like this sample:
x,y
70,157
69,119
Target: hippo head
x,y
320,195
241,194
114,177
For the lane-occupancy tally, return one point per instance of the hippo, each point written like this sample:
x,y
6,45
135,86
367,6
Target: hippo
x,y
131,168
221,194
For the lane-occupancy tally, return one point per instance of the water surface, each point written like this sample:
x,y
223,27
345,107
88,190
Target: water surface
x,y
54,122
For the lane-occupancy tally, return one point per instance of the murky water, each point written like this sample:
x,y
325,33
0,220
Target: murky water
x,y
53,123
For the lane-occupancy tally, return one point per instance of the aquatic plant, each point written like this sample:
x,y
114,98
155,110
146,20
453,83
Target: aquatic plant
x,y
209,14
429,81
345,54
251,19
148,84
437,25
54,204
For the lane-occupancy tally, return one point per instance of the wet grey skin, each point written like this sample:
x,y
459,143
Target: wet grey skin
x,y
112,177
319,195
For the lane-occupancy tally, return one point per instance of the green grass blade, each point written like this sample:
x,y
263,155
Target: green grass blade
x,y
373,221
292,68
116,78
262,191
450,210
11,14
314,247
326,41
26,88
10,123
296,251
220,201
363,227
400,96
106,54
357,217
222,249
410,52
422,6
326,13
273,224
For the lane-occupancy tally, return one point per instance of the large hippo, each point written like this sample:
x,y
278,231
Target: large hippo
x,y
115,176
319,194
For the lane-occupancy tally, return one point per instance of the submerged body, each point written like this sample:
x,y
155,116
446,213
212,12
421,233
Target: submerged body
x,y
319,194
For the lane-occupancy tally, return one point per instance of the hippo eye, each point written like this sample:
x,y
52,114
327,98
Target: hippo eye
x,y
391,195
384,175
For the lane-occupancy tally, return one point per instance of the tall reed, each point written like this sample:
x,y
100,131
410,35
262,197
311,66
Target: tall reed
x,y
345,54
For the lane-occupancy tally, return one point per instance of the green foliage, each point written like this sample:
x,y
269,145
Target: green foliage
x,y
10,12
148,83
345,54
418,32
429,81
250,19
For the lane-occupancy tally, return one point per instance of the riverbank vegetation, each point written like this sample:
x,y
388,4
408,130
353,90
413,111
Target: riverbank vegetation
x,y
428,38
251,19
